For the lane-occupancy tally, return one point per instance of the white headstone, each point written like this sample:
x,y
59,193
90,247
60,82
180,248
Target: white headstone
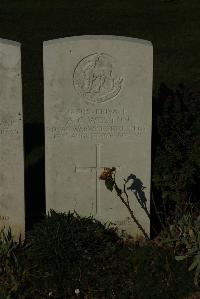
x,y
11,139
98,98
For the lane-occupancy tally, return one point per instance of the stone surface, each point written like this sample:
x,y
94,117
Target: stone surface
x,y
98,98
11,139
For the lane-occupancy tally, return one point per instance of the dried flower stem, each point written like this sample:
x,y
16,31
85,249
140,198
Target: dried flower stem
x,y
127,204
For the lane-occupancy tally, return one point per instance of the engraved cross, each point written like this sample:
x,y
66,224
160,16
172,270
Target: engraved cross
x,y
97,167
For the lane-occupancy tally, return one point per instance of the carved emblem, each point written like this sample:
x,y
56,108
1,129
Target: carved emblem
x,y
96,78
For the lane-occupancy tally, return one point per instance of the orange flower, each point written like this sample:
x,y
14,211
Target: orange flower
x,y
107,173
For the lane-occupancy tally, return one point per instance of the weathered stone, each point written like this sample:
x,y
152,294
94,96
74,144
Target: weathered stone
x,y
11,139
98,95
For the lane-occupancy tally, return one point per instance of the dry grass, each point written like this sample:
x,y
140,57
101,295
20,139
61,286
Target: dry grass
x,y
195,295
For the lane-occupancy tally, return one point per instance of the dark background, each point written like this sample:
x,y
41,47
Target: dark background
x,y
173,27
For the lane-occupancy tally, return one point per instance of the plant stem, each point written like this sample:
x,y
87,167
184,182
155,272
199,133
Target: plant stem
x,y
126,203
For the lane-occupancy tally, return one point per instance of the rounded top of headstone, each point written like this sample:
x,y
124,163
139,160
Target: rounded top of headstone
x,y
9,53
9,42
100,37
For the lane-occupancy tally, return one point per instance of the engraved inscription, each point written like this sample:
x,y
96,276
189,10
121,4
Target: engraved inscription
x,y
4,218
98,124
8,126
96,78
123,222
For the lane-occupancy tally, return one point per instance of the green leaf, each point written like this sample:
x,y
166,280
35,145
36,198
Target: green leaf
x,y
192,251
196,277
168,240
109,182
180,257
195,263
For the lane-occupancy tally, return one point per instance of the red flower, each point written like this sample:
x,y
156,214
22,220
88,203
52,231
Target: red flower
x,y
107,173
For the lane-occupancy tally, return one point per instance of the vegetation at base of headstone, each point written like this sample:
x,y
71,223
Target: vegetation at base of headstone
x,y
67,256
78,253
176,156
108,176
184,237
13,273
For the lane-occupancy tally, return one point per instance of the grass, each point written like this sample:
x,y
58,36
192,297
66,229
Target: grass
x,y
65,253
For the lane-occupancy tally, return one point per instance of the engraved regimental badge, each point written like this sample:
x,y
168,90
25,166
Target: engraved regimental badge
x,y
96,78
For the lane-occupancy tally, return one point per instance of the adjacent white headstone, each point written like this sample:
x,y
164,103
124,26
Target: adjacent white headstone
x,y
11,139
98,97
